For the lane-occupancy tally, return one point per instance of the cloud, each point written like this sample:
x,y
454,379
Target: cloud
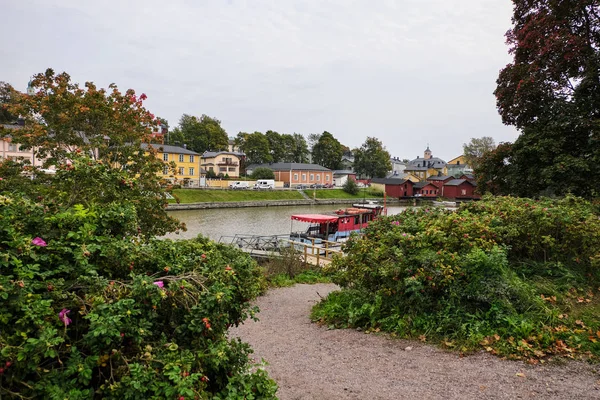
x,y
409,72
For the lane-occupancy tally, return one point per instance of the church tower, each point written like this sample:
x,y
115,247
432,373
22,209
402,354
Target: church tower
x,y
30,90
427,153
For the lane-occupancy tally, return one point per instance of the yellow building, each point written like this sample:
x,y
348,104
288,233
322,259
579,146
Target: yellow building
x,y
187,171
427,166
459,166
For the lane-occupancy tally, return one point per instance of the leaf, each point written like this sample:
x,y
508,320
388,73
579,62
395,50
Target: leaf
x,y
520,375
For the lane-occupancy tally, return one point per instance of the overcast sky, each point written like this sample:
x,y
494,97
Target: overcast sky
x,y
409,72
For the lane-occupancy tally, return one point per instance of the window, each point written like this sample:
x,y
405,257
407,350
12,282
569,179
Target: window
x,y
12,147
326,178
231,169
181,171
191,158
191,172
210,169
463,192
312,177
296,177
166,157
166,170
303,177
181,158
223,169
318,178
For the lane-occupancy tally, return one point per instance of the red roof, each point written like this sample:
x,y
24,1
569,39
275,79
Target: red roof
x,y
315,218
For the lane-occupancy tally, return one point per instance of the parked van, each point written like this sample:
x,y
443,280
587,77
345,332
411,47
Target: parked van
x,y
265,184
239,185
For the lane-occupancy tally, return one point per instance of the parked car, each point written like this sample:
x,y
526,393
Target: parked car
x,y
301,186
328,185
239,185
264,184
316,186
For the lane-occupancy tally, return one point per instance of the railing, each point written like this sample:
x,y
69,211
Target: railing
x,y
228,163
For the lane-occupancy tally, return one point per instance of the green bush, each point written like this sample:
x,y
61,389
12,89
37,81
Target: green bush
x,y
263,173
517,276
89,310
351,187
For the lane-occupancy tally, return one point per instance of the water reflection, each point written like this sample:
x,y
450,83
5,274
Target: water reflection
x,y
252,220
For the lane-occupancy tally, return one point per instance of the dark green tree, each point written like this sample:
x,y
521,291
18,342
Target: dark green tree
x,y
276,145
299,150
203,134
351,186
551,92
327,151
262,173
256,147
7,96
372,159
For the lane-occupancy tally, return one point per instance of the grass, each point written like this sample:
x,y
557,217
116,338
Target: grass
x,y
340,194
310,277
201,195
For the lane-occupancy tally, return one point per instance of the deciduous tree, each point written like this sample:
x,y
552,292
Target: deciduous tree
x,y
255,146
7,94
327,151
203,134
372,159
476,148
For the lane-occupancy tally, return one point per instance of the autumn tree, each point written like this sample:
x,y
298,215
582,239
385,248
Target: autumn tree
x,y
551,92
203,134
372,159
476,148
77,129
327,151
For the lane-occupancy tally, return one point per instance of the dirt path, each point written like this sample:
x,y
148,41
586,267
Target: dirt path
x,y
310,362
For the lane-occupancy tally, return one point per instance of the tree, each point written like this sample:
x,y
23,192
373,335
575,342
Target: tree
x,y
493,171
327,151
275,145
72,127
551,92
476,148
203,134
299,152
372,159
351,187
7,95
263,173
256,147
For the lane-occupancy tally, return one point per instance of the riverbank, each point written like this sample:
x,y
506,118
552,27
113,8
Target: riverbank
x,y
277,203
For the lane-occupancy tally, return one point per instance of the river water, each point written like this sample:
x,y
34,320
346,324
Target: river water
x,y
220,222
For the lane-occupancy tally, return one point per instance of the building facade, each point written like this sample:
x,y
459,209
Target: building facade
x,y
294,174
222,162
187,164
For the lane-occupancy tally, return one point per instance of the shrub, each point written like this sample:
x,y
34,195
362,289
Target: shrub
x,y
262,173
351,186
517,276
90,311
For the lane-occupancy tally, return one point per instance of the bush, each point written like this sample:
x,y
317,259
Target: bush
x,y
515,276
210,174
262,173
90,311
351,187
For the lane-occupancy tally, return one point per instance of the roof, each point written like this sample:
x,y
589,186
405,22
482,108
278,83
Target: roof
x,y
315,218
468,176
166,148
343,172
289,166
413,168
435,162
439,178
390,181
457,182
212,154
421,185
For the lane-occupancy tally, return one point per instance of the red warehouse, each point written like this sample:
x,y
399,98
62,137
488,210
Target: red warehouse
x,y
459,189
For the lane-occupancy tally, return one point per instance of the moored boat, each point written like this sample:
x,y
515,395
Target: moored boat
x,y
338,225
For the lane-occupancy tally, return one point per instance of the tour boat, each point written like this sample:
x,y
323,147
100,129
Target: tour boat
x,y
338,225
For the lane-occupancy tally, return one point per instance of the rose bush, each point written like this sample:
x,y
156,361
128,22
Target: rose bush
x,y
518,276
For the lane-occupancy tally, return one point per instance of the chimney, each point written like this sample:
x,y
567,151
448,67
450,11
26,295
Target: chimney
x,y
185,146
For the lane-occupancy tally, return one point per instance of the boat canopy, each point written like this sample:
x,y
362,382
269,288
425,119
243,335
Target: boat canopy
x,y
314,218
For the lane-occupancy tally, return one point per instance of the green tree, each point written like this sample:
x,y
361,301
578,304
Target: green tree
x,y
203,134
175,137
256,147
276,146
476,148
299,150
263,173
372,159
7,94
551,92
351,186
327,151
66,123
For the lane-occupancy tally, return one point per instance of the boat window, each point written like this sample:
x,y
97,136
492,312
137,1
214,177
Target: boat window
x,y
357,220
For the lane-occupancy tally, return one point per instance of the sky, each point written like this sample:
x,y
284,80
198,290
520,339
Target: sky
x,y
408,72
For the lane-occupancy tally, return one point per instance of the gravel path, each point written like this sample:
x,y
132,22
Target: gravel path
x,y
310,362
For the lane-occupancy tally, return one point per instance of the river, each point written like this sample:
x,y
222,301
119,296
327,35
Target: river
x,y
220,222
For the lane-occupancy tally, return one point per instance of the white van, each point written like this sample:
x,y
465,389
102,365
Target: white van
x,y
265,184
239,185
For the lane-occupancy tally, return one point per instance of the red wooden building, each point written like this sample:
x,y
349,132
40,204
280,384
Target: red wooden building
x,y
459,189
394,187
439,181
426,189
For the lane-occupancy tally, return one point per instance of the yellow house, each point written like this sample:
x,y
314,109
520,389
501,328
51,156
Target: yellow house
x,y
222,162
459,166
187,171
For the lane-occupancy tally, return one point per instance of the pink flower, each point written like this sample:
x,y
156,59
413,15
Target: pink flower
x,y
160,284
143,96
62,315
38,241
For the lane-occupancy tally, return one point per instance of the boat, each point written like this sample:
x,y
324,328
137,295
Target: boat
x,y
338,225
